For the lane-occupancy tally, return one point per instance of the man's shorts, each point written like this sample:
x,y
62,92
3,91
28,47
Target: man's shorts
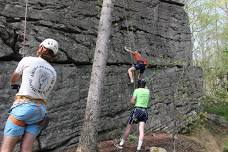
x,y
31,114
140,67
137,115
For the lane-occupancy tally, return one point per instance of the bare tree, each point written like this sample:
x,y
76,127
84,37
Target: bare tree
x,y
89,132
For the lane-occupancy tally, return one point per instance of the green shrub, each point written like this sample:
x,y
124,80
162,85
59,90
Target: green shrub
x,y
132,138
198,121
218,109
225,149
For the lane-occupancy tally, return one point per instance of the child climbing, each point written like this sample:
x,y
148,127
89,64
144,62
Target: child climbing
x,y
139,115
140,64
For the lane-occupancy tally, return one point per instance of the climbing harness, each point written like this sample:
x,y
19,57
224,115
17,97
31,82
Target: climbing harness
x,y
25,99
17,121
43,123
22,98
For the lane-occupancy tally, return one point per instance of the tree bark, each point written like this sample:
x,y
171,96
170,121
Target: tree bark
x,y
89,132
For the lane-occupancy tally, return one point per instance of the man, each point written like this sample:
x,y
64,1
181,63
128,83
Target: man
x,y
28,110
140,64
140,99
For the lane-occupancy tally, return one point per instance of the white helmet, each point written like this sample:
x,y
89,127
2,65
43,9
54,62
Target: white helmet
x,y
50,44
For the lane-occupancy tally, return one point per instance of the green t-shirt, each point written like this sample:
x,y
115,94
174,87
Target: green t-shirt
x,y
142,96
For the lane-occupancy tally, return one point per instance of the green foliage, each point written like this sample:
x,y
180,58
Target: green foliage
x,y
132,138
197,122
225,149
224,34
206,19
99,2
214,106
99,5
209,26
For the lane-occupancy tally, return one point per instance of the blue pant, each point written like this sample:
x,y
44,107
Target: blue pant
x,y
31,114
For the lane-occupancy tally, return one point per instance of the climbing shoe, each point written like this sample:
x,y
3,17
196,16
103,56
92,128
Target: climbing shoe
x,y
130,83
118,146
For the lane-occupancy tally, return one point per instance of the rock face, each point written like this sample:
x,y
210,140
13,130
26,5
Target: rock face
x,y
159,28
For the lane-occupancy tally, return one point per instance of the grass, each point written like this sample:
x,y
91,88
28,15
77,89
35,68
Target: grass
x,y
218,109
225,149
132,138
221,109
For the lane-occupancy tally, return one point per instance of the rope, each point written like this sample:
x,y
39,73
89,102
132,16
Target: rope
x,y
128,36
133,38
128,33
23,54
25,23
39,142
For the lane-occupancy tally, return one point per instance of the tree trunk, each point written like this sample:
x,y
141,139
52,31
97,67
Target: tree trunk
x,y
89,132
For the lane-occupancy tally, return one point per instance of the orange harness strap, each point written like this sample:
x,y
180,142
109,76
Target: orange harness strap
x,y
21,97
21,123
16,121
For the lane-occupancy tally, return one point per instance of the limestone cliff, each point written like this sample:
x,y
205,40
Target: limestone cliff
x,y
159,28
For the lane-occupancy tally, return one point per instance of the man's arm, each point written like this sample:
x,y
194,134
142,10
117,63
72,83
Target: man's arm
x,y
128,50
14,78
132,100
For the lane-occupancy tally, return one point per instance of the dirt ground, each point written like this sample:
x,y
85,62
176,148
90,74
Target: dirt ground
x,y
209,139
166,141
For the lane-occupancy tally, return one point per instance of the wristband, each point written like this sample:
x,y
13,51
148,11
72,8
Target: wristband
x,y
15,87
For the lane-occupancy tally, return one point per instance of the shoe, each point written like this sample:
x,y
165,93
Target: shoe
x,y
118,146
130,83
